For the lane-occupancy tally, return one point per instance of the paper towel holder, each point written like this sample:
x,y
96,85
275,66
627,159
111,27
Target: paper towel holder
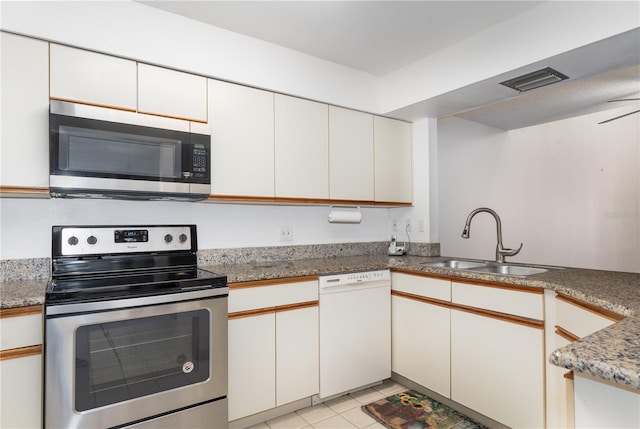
x,y
344,214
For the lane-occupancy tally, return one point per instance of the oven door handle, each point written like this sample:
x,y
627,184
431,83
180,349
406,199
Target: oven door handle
x,y
114,304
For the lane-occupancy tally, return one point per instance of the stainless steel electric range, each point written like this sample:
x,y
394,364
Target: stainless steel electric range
x,y
135,332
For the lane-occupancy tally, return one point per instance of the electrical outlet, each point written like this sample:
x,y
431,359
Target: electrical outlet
x,y
286,233
394,225
407,225
421,225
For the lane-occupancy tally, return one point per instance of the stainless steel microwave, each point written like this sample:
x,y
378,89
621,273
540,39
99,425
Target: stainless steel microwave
x,y
97,152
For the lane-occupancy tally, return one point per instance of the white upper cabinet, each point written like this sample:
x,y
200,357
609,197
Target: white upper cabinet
x,y
350,155
242,158
392,148
172,93
88,77
24,134
103,80
301,148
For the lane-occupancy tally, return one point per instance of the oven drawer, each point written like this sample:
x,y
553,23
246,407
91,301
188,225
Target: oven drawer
x,y
205,416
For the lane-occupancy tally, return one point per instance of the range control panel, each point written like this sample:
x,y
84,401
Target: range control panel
x,y
103,240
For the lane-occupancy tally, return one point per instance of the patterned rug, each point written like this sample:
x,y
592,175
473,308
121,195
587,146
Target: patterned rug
x,y
412,410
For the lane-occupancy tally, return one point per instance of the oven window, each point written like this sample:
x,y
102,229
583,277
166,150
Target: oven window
x,y
118,361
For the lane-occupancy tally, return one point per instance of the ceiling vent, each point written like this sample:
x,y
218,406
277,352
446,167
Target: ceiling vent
x,y
534,80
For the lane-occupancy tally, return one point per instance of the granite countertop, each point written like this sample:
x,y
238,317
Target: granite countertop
x,y
611,354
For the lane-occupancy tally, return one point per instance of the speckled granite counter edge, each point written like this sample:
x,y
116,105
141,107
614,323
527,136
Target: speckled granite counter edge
x,y
610,354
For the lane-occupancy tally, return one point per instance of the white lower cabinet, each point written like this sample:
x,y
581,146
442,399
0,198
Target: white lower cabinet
x,y
252,365
480,344
273,345
497,369
297,354
497,352
21,368
568,320
420,325
21,393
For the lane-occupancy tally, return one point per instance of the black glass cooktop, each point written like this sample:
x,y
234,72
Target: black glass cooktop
x,y
72,289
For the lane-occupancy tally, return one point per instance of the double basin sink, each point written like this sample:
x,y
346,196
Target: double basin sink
x,y
519,270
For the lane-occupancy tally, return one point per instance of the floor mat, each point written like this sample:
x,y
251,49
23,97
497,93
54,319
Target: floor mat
x,y
413,410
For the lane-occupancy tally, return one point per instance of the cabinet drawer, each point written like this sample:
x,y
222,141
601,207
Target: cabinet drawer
x,y
249,297
20,331
579,321
422,286
525,303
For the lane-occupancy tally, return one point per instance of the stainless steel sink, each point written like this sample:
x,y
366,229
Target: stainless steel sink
x,y
519,270
456,264
512,270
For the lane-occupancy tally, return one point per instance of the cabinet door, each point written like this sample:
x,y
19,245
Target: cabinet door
x,y
21,392
350,155
392,148
297,354
24,134
252,366
497,369
171,93
301,148
242,159
420,343
89,77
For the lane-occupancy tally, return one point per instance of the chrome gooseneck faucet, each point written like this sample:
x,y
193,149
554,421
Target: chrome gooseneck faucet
x,y
501,252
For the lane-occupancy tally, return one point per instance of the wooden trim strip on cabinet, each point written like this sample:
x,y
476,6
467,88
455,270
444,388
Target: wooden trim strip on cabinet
x,y
242,198
271,282
275,309
420,298
531,323
21,352
108,106
422,274
297,306
568,375
567,335
297,200
20,311
486,283
607,314
392,204
31,191
182,118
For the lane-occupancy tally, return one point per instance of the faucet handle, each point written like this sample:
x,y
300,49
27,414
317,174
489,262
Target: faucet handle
x,y
510,252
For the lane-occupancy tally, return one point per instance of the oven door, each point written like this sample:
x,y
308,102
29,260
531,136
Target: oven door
x,y
111,368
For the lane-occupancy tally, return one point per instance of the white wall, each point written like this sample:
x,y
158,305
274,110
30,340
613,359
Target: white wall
x,y
569,190
25,224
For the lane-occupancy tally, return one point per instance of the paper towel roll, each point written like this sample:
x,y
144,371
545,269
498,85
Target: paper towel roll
x,y
344,216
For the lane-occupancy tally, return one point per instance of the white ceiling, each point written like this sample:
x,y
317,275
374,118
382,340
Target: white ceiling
x,y
376,37
379,37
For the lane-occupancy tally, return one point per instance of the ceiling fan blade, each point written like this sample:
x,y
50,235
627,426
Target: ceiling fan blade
x,y
623,99
618,117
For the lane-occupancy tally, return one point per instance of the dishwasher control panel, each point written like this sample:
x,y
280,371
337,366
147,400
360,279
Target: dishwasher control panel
x,y
356,278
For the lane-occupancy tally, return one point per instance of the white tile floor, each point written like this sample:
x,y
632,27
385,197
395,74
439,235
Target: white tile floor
x,y
341,413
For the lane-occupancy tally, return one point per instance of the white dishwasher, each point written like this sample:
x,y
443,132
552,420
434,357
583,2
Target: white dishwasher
x,y
355,331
